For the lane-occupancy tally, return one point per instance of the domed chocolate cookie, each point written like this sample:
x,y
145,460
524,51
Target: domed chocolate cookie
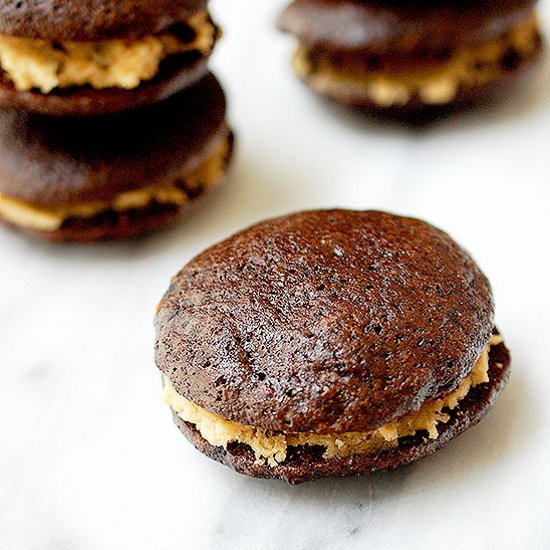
x,y
116,176
400,58
329,343
70,20
73,58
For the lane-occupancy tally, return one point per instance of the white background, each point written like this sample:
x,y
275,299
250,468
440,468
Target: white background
x,y
89,457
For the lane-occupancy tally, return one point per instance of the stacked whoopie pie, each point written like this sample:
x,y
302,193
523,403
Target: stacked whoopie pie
x,y
111,123
329,343
404,57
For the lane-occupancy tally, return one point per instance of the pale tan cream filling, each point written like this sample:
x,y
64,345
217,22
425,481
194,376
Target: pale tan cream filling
x,y
24,214
436,84
272,447
113,63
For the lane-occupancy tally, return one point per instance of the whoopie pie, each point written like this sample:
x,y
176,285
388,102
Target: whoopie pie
x,y
67,57
116,176
401,57
329,343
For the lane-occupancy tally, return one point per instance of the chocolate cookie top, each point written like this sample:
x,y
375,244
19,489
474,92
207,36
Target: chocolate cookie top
x,y
397,26
92,20
63,161
324,321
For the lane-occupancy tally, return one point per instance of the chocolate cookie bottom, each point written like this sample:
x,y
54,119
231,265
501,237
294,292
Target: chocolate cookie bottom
x,y
176,73
305,463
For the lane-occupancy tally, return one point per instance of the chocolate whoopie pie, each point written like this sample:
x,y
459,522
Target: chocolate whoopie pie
x,y
112,177
399,57
329,343
65,57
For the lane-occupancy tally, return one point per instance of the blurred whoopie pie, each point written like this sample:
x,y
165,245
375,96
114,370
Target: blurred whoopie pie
x,y
116,176
329,343
399,57
65,57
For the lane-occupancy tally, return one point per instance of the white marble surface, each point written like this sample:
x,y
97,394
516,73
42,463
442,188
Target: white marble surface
x,y
89,457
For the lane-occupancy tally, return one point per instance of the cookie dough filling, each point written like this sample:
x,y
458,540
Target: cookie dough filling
x,y
205,176
117,63
272,447
433,84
